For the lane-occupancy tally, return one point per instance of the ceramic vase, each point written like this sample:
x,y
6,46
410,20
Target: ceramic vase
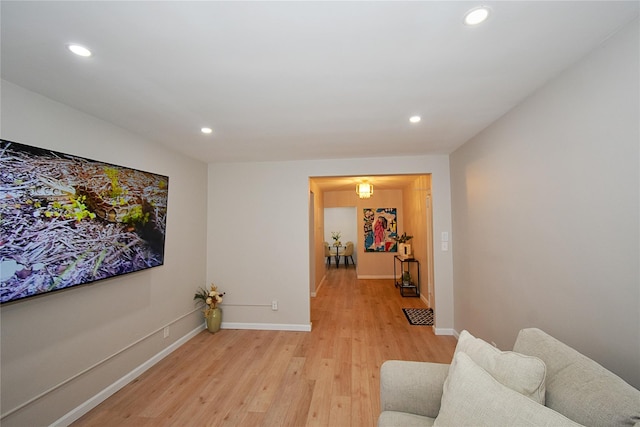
x,y
404,250
214,319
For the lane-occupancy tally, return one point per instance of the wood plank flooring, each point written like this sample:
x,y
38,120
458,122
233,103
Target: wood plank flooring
x,y
326,377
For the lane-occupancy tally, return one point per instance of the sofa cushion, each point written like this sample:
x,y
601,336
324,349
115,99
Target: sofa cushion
x,y
413,387
403,419
578,387
472,396
522,373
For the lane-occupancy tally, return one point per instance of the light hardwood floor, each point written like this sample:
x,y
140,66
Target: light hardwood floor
x,y
326,377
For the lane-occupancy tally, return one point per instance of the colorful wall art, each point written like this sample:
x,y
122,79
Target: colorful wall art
x,y
380,227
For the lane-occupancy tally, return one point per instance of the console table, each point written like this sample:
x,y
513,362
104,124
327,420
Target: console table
x,y
406,276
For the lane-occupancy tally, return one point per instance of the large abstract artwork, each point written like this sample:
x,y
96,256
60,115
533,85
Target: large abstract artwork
x,y
67,220
380,227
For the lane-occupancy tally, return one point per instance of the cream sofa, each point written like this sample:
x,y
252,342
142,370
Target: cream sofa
x,y
541,382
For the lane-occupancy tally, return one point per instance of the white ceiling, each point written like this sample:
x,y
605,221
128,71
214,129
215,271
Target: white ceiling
x,y
298,80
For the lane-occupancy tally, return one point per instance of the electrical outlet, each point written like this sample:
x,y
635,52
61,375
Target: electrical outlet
x,y
165,332
274,305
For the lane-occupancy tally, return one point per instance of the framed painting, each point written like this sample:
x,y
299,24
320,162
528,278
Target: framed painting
x,y
380,227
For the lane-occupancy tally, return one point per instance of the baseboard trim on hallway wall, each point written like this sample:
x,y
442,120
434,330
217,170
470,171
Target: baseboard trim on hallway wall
x,y
313,294
267,326
79,411
360,276
425,300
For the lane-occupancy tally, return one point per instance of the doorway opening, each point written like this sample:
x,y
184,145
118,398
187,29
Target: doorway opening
x,y
410,195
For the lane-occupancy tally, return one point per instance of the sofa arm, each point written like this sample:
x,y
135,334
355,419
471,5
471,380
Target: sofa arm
x,y
413,387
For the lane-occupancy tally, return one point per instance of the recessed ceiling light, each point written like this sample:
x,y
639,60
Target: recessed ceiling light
x,y
79,50
206,130
414,119
476,15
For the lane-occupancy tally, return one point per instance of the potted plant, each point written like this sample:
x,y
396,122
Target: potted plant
x,y
404,248
212,313
406,278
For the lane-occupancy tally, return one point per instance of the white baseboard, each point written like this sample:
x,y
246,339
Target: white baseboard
x,y
425,300
374,277
267,326
79,411
313,294
446,331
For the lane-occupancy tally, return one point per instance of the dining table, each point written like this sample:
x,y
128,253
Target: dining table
x,y
337,246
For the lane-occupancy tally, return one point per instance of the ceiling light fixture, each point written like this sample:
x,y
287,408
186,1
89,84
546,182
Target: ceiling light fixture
x,y
79,50
476,15
364,190
206,130
415,119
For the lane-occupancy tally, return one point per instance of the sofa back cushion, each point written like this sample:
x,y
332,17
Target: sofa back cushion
x,y
577,386
472,397
522,373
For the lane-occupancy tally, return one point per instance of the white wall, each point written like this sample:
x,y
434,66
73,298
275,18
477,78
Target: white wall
x,y
546,214
49,339
258,238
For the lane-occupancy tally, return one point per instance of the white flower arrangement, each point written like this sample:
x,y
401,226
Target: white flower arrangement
x,y
211,298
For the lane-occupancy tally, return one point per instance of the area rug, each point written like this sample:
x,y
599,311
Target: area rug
x,y
419,316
